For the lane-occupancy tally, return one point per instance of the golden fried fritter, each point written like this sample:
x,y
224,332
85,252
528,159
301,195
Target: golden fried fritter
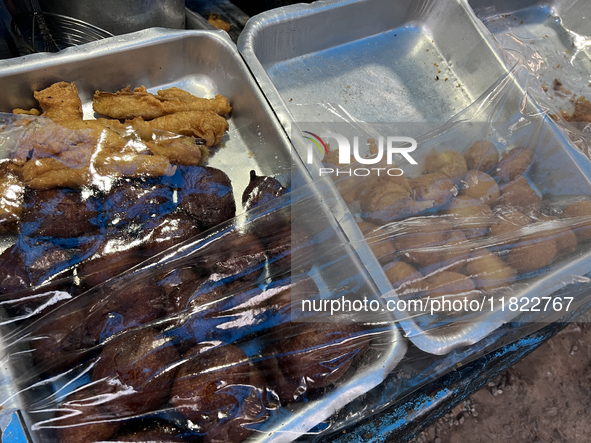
x,y
480,186
202,124
514,163
127,104
60,102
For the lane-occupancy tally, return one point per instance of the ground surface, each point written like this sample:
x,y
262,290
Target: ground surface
x,y
544,398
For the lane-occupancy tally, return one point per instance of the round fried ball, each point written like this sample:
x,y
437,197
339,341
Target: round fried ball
x,y
580,212
456,252
471,216
480,186
136,370
507,223
446,283
404,278
519,196
514,163
533,252
260,190
423,248
169,230
379,241
437,188
481,156
450,163
488,271
566,239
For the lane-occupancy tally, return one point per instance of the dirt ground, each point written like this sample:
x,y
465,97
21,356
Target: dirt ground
x,y
544,398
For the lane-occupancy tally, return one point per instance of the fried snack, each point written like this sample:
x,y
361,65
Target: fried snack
x,y
532,252
436,188
81,418
289,250
60,102
480,186
11,203
60,213
456,252
450,163
506,223
220,392
162,233
488,271
481,156
566,240
470,215
151,430
422,244
310,356
127,104
13,275
379,241
404,278
581,213
260,190
514,163
445,283
519,196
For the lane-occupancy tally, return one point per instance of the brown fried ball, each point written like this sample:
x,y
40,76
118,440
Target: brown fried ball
x,y
437,188
13,275
422,243
446,283
480,186
566,239
260,190
58,213
310,356
471,216
488,271
353,188
404,277
507,223
514,163
289,250
81,418
179,285
390,199
519,196
450,163
579,215
136,371
481,156
532,252
379,241
456,251
220,392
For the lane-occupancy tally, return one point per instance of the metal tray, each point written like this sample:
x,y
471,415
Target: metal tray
x,y
556,33
303,56
204,63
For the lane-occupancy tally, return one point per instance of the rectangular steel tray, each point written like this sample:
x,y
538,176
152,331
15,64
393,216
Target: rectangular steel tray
x,y
205,63
553,35
305,56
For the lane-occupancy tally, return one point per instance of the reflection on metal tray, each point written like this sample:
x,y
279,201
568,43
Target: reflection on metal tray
x,y
554,35
204,63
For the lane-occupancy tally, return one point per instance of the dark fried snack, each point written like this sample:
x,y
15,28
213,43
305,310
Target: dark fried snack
x,y
450,163
514,163
136,371
60,213
81,418
205,194
481,156
162,233
220,392
13,275
260,190
480,186
288,250
152,431
310,356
